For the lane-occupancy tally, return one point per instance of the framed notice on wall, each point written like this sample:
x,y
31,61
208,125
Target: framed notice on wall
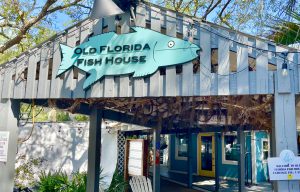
x,y
4,136
284,167
136,157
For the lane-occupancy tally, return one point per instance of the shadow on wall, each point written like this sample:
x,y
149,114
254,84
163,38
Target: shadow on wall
x,y
60,146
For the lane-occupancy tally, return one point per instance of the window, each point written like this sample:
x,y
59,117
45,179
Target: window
x,y
230,151
265,149
181,147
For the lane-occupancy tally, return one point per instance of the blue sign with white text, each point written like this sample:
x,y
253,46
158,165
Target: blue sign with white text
x,y
140,53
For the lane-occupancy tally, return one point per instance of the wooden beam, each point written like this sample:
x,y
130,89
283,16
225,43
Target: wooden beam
x,y
9,114
241,162
156,165
285,133
217,161
190,159
94,150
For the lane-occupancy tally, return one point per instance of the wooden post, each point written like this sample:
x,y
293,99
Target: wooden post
x,y
190,159
217,166
285,133
94,151
156,154
9,114
241,162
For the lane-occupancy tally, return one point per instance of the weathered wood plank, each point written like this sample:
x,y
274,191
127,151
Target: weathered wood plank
x,y
187,69
155,78
109,80
252,82
20,81
171,71
2,73
242,66
67,86
271,82
78,83
214,84
283,81
293,65
205,60
233,83
138,88
223,63
57,82
123,85
271,53
251,47
298,69
44,83
96,89
32,83
8,83
285,130
261,68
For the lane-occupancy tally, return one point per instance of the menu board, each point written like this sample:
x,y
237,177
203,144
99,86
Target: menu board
x,y
4,135
136,157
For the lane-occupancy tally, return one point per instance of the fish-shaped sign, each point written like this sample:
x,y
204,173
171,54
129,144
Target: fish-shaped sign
x,y
140,53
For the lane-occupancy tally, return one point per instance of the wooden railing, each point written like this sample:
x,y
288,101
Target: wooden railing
x,y
230,63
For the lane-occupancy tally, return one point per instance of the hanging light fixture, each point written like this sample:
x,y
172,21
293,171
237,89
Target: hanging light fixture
x,y
284,69
284,66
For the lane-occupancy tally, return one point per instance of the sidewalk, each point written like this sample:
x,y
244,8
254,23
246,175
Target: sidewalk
x,y
167,186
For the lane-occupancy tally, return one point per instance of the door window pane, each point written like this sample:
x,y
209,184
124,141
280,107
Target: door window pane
x,y
230,147
265,146
206,153
182,145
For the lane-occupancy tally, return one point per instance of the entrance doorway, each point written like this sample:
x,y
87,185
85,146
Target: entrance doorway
x,y
206,152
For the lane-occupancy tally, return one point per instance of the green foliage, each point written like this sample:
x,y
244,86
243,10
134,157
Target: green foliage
x,y
25,24
80,118
288,32
25,174
78,182
27,113
60,182
52,182
118,184
62,116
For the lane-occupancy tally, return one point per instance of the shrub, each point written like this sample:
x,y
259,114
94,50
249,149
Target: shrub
x,y
52,182
62,116
59,182
81,118
118,184
78,182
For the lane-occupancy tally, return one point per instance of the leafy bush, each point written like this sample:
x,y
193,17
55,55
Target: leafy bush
x,y
79,117
118,184
78,182
59,182
53,182
62,116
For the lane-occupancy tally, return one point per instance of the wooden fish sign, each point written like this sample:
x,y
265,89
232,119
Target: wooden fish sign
x,y
140,53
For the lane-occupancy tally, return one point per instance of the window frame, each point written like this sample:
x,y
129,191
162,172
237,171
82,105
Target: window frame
x,y
177,157
262,149
224,160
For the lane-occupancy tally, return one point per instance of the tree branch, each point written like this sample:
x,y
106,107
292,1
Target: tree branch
x,y
60,7
221,13
27,25
210,8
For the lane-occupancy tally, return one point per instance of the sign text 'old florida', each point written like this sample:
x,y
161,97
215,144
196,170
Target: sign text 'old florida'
x,y
139,53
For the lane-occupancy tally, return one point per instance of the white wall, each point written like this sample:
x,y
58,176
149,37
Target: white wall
x,y
64,146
